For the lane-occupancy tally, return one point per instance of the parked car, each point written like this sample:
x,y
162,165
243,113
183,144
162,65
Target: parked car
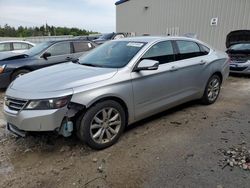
x,y
89,37
238,49
109,36
42,55
117,84
10,48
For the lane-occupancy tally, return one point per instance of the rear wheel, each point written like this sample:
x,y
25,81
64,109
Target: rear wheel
x,y
212,90
19,73
102,125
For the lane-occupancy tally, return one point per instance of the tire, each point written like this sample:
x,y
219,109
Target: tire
x,y
212,90
100,127
18,73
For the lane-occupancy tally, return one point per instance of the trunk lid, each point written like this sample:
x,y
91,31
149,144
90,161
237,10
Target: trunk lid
x,y
237,37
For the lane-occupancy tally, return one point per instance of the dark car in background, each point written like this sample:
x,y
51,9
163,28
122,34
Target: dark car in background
x,y
109,36
89,37
238,49
42,55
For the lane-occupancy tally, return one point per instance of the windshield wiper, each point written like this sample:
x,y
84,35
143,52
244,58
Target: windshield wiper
x,y
91,65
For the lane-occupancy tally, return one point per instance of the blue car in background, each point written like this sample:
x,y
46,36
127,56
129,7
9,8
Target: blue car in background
x,y
42,55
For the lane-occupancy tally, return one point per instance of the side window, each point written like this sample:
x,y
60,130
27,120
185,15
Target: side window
x,y
20,46
162,52
61,48
188,49
204,50
5,47
82,46
30,46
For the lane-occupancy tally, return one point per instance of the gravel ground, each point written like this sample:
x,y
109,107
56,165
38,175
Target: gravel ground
x,y
182,147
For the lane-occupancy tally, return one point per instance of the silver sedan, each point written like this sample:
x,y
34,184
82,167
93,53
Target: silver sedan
x,y
117,84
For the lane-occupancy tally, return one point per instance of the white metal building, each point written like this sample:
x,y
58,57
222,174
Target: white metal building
x,y
210,20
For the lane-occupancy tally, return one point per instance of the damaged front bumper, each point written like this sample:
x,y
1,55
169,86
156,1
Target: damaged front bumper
x,y
35,120
58,120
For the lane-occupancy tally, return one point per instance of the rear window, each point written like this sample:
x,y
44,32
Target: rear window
x,y
82,46
5,47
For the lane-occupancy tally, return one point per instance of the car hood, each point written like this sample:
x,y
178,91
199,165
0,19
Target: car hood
x,y
13,56
4,55
236,37
61,77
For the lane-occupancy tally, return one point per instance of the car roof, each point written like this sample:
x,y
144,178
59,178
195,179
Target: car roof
x,y
152,39
69,40
21,41
155,38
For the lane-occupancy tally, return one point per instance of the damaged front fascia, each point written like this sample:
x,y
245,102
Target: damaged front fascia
x,y
74,108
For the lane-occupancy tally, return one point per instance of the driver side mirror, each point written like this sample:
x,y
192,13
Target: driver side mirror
x,y
46,55
147,64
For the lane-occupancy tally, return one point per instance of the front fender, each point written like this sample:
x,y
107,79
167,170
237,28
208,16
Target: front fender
x,y
122,91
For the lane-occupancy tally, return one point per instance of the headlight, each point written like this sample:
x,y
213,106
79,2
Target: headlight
x,y
2,68
47,104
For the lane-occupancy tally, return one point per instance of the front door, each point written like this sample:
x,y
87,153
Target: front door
x,y
154,89
60,52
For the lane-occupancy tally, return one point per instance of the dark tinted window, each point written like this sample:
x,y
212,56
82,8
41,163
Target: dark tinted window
x,y
5,47
162,52
188,49
60,49
107,36
82,46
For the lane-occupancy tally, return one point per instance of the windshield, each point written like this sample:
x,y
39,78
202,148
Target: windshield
x,y
38,48
114,54
106,36
241,47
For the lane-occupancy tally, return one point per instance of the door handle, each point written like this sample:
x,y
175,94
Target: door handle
x,y
173,68
202,62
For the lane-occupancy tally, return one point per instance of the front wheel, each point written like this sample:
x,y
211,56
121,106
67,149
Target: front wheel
x,y
212,90
102,125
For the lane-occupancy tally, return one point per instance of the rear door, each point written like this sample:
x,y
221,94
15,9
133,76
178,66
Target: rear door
x,y
192,59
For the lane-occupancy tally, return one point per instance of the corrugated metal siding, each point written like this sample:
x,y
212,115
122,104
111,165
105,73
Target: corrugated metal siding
x,y
190,16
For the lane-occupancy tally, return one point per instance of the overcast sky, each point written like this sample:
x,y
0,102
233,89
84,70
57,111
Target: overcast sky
x,y
95,15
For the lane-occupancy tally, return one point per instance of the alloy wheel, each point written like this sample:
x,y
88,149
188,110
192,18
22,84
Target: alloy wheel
x,y
105,125
213,89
